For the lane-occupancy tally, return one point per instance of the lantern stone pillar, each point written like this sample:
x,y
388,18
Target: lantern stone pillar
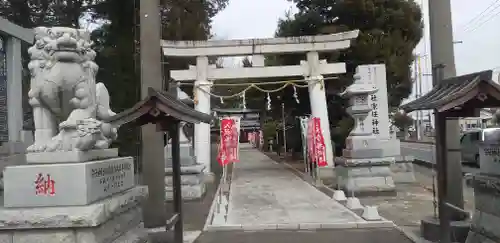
x,y
365,164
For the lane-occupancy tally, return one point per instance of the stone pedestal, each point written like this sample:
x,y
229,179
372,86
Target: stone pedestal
x,y
361,177
104,221
368,169
70,156
72,184
70,188
192,182
86,202
192,175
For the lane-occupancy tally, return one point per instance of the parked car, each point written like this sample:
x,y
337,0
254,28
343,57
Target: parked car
x,y
469,142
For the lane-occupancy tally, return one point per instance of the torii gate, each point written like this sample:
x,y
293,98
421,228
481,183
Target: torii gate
x,y
312,69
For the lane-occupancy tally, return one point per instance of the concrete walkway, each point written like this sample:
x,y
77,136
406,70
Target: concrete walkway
x,y
265,195
263,192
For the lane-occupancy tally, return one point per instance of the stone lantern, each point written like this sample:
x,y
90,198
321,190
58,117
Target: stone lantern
x,y
365,162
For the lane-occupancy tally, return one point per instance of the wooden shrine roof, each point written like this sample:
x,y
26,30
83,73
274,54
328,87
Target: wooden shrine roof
x,y
475,90
159,106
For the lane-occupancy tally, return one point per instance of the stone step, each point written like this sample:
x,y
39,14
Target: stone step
x,y
193,169
189,179
189,192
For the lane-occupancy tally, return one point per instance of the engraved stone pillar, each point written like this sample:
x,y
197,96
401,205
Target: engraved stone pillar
x,y
485,226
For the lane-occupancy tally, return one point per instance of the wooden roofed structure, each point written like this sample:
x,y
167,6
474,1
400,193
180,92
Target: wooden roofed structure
x,y
453,98
461,96
166,112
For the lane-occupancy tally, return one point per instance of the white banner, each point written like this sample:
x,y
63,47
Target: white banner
x,y
237,122
304,121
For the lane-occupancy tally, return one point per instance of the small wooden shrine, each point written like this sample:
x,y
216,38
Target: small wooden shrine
x,y
461,96
452,98
166,112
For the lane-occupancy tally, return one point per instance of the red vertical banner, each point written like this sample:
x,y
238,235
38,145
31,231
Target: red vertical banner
x,y
229,141
226,127
319,143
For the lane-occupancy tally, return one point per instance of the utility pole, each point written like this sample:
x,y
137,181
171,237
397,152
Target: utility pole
x,y
442,53
415,81
449,171
152,159
420,113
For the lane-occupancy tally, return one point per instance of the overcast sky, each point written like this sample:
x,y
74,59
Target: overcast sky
x,y
479,33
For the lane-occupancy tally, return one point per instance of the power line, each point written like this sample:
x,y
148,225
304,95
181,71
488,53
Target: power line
x,y
480,15
485,21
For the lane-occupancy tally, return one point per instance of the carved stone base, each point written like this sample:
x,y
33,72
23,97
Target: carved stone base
x,y
101,222
70,156
73,184
364,177
192,181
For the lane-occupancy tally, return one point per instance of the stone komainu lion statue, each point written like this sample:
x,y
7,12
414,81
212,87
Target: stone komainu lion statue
x,y
69,108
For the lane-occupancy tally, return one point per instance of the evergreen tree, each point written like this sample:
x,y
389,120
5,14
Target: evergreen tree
x,y
117,39
389,31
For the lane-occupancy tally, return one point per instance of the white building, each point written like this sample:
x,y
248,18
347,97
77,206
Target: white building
x,y
483,121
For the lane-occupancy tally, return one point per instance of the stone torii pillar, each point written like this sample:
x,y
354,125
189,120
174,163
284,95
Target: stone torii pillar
x,y
11,97
202,146
318,104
